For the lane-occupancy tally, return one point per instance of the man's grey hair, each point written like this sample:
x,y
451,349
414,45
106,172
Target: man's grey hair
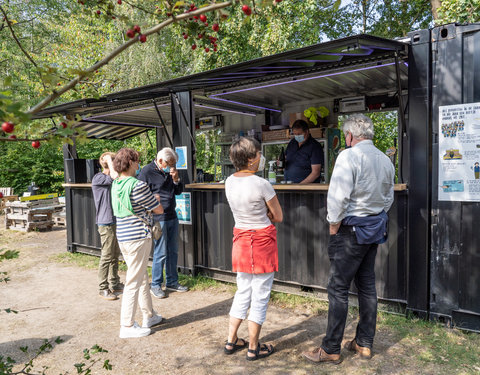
x,y
167,155
359,125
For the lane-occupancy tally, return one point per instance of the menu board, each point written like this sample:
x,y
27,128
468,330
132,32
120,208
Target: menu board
x,y
459,153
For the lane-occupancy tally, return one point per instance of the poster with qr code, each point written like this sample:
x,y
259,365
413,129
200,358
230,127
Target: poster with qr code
x,y
459,153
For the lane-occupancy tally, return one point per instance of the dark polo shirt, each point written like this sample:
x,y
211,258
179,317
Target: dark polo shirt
x,y
299,160
162,183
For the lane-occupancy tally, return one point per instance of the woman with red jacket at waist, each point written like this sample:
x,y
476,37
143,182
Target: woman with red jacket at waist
x,y
255,207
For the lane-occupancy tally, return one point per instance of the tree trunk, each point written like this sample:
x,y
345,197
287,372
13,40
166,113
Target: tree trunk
x,y
435,5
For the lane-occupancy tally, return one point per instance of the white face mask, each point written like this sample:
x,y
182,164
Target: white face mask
x,y
261,163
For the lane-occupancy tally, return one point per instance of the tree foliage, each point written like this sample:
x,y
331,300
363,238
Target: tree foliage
x,y
461,11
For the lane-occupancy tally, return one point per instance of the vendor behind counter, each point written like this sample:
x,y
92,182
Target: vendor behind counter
x,y
304,156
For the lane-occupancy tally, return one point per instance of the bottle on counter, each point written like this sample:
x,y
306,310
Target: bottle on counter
x,y
281,161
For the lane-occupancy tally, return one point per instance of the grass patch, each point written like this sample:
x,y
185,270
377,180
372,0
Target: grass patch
x,y
293,301
457,352
199,282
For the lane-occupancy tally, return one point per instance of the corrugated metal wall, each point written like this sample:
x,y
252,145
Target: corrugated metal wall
x,y
302,240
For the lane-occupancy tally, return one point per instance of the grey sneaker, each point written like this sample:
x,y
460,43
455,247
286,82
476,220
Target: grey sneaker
x,y
108,295
178,288
157,292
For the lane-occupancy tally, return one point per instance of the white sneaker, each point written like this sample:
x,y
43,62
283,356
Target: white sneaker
x,y
133,331
153,321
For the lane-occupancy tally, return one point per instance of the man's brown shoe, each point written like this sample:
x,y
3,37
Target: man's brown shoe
x,y
364,352
108,295
319,355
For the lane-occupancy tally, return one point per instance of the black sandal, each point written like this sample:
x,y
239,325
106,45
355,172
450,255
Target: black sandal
x,y
270,349
235,346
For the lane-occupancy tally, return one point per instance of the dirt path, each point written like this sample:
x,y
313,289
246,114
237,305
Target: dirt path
x,y
55,299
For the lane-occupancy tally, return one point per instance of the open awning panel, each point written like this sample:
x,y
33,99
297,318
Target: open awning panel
x,y
343,67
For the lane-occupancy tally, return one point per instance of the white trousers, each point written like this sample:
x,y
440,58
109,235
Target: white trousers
x,y
137,289
253,290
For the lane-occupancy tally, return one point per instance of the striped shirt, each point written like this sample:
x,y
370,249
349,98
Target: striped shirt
x,y
132,228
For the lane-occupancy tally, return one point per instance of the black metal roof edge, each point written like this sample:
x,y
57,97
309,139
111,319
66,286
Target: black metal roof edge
x,y
339,65
299,52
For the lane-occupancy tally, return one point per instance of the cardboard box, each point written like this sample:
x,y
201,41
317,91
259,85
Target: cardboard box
x,y
317,132
276,135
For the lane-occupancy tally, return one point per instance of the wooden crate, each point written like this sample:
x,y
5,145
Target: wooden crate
x,y
35,203
18,217
276,135
5,199
60,221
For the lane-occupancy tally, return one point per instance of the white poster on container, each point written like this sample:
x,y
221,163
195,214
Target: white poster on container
x,y
459,153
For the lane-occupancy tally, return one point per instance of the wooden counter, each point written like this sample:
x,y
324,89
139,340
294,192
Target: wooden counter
x,y
83,185
297,187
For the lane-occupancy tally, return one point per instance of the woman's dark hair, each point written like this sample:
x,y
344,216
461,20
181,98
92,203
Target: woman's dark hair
x,y
122,160
300,124
242,150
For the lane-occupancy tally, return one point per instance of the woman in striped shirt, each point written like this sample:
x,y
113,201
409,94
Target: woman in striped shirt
x,y
132,202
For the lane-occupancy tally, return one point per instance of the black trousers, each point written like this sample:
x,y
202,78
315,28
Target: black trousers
x,y
350,261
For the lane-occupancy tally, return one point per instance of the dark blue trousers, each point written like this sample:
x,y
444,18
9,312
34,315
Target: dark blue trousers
x,y
350,261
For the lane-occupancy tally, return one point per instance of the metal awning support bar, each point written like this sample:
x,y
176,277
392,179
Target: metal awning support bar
x,y
163,124
86,121
400,100
186,121
403,128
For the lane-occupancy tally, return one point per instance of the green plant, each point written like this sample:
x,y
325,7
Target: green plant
x,y
312,113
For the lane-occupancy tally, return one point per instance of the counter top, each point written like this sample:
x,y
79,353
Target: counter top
x,y
221,186
82,185
307,187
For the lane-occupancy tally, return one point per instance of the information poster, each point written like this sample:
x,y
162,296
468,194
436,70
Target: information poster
x,y
459,153
182,157
184,208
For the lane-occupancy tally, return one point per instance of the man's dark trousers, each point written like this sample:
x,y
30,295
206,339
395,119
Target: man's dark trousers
x,y
350,261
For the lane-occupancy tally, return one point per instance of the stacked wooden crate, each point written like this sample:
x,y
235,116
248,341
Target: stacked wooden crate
x,y
30,215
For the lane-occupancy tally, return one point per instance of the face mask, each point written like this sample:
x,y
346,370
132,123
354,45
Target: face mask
x,y
166,169
300,138
137,172
261,163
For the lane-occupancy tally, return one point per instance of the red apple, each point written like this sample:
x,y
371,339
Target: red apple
x,y
142,38
119,2
215,27
63,124
7,127
130,33
206,24
185,36
207,49
194,46
13,136
247,10
36,144
203,17
99,12
136,28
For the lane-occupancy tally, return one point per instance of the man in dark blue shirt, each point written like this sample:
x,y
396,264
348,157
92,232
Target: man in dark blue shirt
x,y
162,177
304,156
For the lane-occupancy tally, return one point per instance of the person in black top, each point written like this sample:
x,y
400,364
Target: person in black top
x,y
108,266
304,156
162,177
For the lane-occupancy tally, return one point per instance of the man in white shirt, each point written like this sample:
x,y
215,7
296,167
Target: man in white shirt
x,y
359,195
